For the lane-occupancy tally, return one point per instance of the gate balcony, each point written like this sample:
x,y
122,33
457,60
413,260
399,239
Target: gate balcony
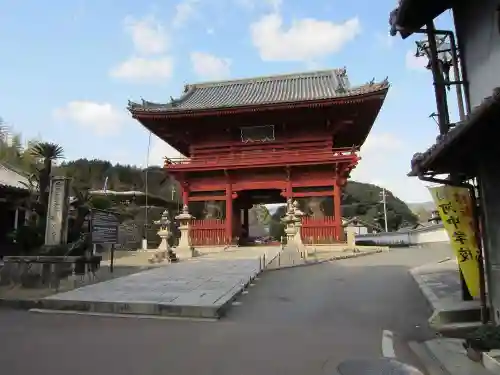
x,y
257,155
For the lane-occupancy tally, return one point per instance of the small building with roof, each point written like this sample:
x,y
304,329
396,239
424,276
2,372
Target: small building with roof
x,y
14,191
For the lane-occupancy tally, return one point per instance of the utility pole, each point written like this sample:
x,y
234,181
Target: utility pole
x,y
384,202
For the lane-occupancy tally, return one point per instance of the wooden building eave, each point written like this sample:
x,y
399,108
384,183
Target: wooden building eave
x,y
139,114
412,15
450,153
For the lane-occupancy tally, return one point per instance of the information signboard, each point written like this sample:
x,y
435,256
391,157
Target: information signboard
x,y
104,226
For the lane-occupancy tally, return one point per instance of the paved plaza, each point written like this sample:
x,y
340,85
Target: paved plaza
x,y
201,287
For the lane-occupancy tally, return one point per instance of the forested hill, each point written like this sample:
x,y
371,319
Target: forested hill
x,y
92,174
363,200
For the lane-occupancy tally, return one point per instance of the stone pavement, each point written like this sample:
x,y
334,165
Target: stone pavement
x,y
203,287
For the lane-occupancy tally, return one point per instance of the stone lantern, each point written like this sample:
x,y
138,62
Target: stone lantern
x,y
289,221
185,250
164,251
297,221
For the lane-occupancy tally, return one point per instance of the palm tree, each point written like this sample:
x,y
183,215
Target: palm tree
x,y
46,153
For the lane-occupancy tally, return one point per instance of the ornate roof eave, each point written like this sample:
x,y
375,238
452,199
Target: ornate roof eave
x,y
412,15
152,110
421,163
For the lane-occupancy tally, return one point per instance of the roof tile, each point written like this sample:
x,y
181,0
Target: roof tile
x,y
327,84
12,179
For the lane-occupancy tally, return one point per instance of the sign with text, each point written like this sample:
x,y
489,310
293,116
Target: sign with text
x,y
56,230
104,225
455,209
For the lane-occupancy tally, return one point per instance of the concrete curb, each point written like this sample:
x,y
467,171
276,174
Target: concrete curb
x,y
130,316
446,356
445,316
431,297
336,257
20,304
491,361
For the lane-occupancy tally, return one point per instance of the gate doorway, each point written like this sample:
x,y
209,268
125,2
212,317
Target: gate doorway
x,y
252,219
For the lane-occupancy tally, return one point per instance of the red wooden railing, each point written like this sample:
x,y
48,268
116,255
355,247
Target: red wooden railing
x,y
208,232
263,156
320,230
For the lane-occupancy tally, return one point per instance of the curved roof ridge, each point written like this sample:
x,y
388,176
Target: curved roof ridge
x,y
276,77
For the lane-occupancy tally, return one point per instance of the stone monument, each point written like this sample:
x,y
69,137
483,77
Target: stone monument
x,y
185,250
56,231
164,251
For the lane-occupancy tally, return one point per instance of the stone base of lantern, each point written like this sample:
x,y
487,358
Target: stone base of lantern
x,y
158,256
184,253
161,253
301,248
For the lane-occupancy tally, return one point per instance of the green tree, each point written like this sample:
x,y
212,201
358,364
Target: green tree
x,y
47,153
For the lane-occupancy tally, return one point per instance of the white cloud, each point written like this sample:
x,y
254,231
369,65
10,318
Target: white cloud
x,y
385,161
253,4
100,118
385,40
184,12
148,35
139,69
415,63
208,66
305,40
159,150
382,141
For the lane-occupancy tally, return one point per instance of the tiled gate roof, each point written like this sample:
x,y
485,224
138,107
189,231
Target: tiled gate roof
x,y
301,87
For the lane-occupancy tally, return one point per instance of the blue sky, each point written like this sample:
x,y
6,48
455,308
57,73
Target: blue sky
x,y
69,67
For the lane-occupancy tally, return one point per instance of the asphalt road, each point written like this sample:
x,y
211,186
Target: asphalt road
x,y
297,321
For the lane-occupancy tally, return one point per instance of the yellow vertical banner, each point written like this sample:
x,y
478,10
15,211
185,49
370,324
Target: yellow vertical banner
x,y
455,209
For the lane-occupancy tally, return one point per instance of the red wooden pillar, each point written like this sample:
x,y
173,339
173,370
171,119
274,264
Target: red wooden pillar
x,y
245,221
185,194
229,212
289,188
337,210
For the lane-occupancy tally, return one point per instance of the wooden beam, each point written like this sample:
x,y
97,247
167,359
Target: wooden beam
x,y
202,198
324,193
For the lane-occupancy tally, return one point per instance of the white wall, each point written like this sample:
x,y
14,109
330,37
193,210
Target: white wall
x,y
429,234
477,28
357,229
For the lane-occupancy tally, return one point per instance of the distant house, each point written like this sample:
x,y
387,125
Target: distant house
x,y
359,226
137,197
435,218
13,192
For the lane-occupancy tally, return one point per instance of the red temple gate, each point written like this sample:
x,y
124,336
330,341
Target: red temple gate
x,y
265,140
